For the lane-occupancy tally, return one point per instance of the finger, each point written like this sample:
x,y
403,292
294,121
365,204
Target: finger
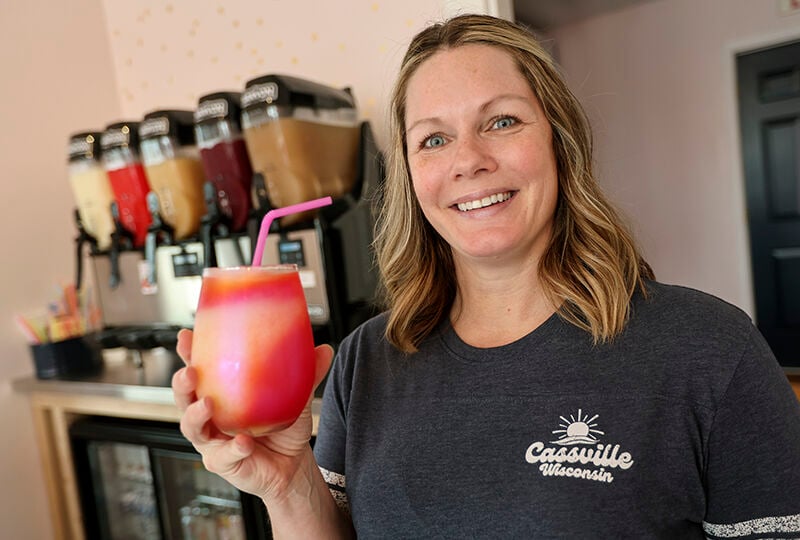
x,y
324,357
226,458
195,421
184,346
184,383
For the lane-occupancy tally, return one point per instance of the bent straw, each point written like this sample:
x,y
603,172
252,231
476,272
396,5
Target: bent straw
x,y
258,254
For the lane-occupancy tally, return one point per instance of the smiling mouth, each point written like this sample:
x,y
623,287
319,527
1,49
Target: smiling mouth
x,y
484,202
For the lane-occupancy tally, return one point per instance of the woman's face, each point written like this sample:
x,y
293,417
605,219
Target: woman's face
x,y
480,153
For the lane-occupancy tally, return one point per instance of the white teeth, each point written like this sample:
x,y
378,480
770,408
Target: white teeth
x,y
486,201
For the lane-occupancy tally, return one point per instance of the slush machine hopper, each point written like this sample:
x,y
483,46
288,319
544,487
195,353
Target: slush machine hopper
x,y
305,141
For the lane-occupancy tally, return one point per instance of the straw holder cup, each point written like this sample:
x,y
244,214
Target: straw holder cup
x,y
68,358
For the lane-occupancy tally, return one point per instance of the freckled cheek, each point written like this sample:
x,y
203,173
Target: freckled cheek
x,y
424,181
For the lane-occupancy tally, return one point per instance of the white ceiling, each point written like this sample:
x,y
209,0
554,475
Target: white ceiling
x,y
548,14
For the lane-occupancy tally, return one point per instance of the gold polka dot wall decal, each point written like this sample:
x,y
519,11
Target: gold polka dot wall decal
x,y
235,23
254,52
214,59
192,32
279,44
237,78
260,22
295,60
129,62
409,23
382,49
195,22
314,36
140,42
163,47
190,53
145,85
375,6
221,10
342,47
239,45
146,12
260,61
169,8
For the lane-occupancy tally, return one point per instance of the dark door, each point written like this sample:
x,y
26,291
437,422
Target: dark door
x,y
769,110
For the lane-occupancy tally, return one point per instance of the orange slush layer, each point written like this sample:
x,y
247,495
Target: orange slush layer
x,y
231,287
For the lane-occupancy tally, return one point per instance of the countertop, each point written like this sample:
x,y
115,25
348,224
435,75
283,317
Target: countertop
x,y
146,383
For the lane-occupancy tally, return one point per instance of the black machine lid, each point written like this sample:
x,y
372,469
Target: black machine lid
x,y
219,106
171,123
84,145
295,92
121,134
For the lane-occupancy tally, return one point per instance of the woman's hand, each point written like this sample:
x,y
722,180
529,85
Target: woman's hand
x,y
264,466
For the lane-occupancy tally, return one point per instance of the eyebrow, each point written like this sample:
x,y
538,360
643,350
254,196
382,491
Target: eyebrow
x,y
482,108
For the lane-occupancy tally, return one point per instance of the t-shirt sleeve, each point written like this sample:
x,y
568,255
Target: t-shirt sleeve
x,y
330,444
753,452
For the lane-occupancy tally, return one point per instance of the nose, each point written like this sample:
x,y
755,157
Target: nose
x,y
472,157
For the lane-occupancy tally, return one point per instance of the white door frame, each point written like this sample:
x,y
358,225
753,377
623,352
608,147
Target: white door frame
x,y
497,8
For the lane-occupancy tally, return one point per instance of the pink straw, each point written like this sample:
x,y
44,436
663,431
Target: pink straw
x,y
258,254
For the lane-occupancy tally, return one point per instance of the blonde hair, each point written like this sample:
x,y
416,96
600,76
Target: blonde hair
x,y
591,267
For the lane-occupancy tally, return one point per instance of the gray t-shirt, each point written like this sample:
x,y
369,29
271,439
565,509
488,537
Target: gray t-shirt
x,y
683,427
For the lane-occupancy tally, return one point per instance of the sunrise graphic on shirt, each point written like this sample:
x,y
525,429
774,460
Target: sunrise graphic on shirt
x,y
577,430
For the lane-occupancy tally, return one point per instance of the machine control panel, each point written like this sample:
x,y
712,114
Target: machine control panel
x,y
291,252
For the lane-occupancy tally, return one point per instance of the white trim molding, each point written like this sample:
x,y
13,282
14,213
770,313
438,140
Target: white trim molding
x,y
497,8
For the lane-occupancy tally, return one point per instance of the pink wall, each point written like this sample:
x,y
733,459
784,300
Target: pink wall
x,y
658,81
168,54
57,79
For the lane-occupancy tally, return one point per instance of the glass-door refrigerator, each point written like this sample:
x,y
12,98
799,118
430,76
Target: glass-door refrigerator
x,y
142,480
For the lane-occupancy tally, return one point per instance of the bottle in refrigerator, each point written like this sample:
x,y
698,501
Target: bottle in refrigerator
x,y
173,167
127,485
120,143
224,154
91,187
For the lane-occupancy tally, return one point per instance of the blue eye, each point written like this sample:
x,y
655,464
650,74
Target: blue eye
x,y
433,141
504,122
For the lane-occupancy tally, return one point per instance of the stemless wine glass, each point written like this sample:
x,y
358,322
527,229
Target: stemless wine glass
x,y
253,347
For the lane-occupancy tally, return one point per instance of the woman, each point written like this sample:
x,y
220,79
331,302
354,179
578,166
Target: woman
x,y
528,379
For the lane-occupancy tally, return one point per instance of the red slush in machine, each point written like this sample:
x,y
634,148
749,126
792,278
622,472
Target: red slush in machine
x,y
224,155
120,142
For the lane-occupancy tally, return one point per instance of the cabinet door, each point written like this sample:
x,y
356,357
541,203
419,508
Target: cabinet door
x,y
195,504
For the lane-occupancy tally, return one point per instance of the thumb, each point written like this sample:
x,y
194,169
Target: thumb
x,y
324,357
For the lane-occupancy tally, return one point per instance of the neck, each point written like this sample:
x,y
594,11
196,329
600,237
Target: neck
x,y
495,306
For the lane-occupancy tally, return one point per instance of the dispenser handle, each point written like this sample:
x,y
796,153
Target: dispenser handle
x,y
116,241
207,225
151,238
79,241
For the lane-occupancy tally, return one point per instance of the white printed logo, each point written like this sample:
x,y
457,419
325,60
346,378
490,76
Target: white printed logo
x,y
578,444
